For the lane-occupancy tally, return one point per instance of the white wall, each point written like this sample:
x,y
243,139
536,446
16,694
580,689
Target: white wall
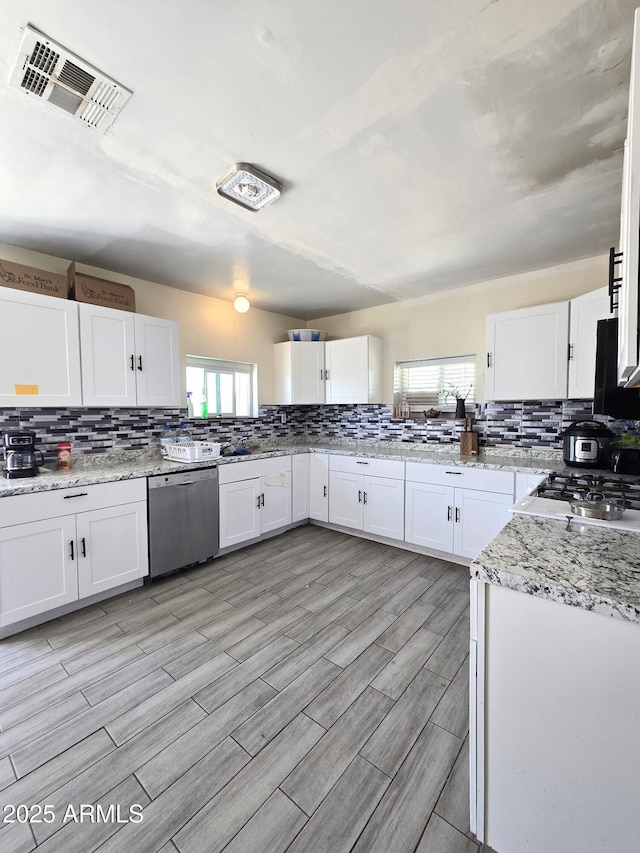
x,y
450,324
208,326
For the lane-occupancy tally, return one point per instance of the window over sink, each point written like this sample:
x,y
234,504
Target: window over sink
x,y
222,388
434,383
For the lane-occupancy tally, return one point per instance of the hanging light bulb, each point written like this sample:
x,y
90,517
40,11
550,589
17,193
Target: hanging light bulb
x,y
241,303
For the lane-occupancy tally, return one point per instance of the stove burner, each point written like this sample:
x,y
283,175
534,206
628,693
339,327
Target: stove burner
x,y
567,487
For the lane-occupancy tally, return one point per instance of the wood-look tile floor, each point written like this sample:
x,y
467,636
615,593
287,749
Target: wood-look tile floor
x,y
306,694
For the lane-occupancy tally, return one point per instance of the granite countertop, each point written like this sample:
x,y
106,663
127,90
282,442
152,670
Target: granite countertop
x,y
90,469
585,566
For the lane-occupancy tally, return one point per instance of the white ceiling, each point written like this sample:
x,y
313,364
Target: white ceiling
x,y
423,144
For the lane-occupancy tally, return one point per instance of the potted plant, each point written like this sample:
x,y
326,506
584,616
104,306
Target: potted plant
x,y
450,390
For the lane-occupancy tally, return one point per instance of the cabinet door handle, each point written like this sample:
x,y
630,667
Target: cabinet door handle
x,y
258,501
133,366
359,496
77,495
321,374
326,374
448,513
324,491
72,552
615,283
570,352
84,547
139,362
262,496
364,497
457,513
488,359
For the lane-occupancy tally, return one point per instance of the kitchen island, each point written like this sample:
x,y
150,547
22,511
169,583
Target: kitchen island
x,y
555,688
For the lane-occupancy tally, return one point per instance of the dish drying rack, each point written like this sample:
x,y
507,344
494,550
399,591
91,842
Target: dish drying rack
x,y
193,451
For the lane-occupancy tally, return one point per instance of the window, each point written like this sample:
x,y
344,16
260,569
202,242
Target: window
x,y
221,388
423,384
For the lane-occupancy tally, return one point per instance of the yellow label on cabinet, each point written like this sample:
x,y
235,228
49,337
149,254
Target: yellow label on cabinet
x,y
27,389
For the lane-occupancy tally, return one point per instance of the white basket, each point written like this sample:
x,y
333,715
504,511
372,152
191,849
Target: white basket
x,y
193,451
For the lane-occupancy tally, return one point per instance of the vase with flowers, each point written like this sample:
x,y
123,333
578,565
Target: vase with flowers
x,y
450,390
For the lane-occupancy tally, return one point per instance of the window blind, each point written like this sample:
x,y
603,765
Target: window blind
x,y
422,384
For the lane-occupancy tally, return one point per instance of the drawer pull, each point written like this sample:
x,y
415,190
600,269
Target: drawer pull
x,y
358,462
457,473
78,495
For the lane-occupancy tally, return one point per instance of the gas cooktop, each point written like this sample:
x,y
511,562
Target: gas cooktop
x,y
623,490
553,497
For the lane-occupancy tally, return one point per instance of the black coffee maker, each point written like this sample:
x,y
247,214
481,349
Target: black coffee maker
x,y
20,455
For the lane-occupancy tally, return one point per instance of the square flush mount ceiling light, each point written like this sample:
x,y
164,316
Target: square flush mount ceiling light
x,y
249,187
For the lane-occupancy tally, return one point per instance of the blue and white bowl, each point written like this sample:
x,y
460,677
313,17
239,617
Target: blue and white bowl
x,y
306,335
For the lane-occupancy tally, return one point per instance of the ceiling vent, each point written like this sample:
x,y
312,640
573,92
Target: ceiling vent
x,y
47,71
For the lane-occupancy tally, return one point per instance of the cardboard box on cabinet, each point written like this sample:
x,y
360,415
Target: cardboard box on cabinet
x,y
20,277
97,291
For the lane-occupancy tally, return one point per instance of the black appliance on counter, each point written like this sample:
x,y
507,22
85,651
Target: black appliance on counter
x,y
20,455
626,460
609,398
587,444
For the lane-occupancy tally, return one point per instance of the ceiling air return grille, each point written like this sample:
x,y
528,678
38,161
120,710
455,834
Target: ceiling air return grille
x,y
50,73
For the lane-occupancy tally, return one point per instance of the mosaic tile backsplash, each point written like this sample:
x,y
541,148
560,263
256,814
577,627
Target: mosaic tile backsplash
x,y
522,424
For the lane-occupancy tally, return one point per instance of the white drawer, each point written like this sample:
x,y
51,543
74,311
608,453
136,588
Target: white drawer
x,y
20,509
461,476
391,468
234,472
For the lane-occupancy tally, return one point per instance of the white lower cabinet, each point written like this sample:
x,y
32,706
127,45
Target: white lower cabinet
x,y
319,486
526,483
478,517
239,512
300,492
457,519
383,503
60,546
366,501
429,515
36,570
255,498
112,547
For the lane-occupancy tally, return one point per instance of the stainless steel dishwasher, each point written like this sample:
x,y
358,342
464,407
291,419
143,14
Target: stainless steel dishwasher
x,y
183,519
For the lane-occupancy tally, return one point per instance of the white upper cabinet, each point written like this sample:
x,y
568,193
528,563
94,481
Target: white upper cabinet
x,y
584,313
128,359
39,350
108,356
343,371
157,361
300,375
527,353
354,370
628,267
